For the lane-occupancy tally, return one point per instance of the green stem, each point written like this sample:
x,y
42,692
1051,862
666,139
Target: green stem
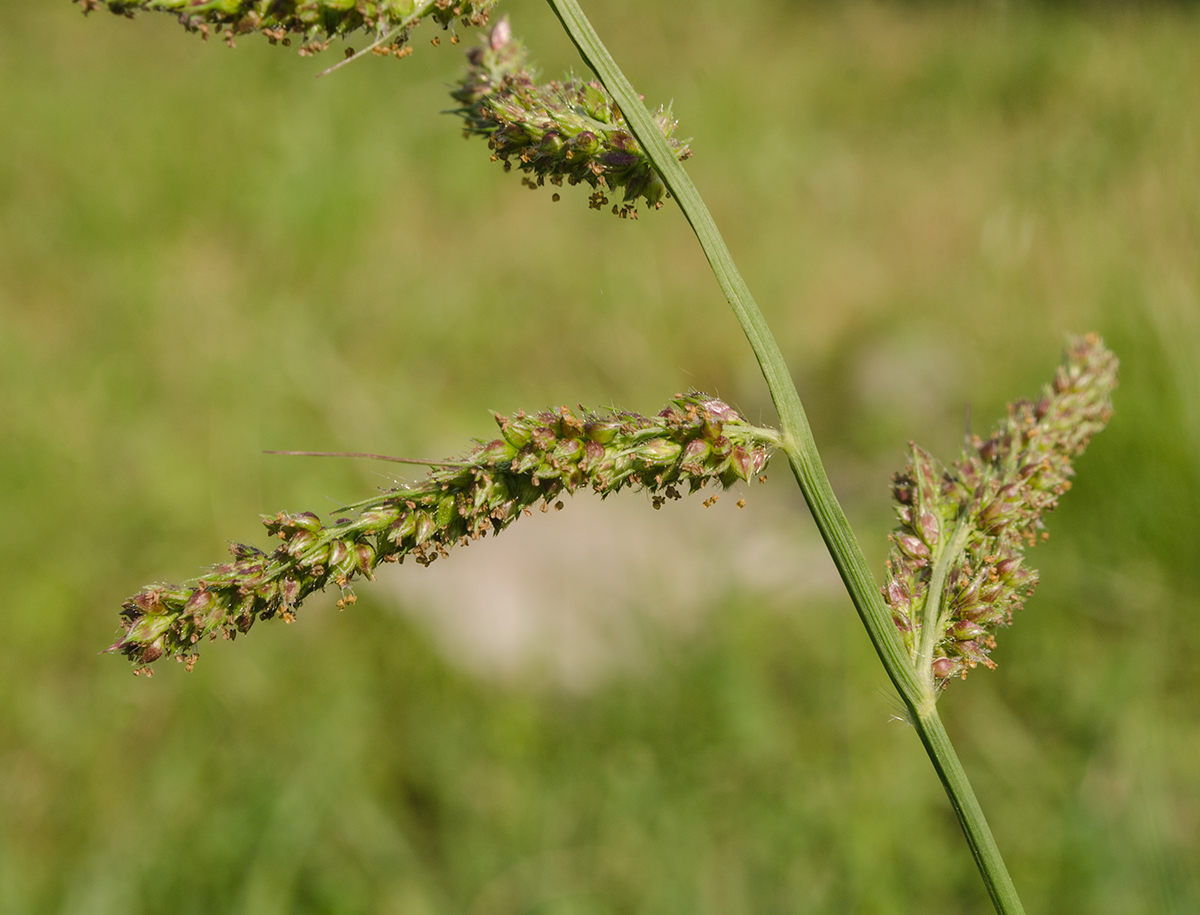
x,y
799,445
970,815
797,436
933,625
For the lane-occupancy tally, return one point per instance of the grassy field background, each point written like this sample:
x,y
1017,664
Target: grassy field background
x,y
205,253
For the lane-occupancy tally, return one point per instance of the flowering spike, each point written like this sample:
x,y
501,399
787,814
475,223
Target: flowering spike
x,y
570,130
956,572
538,458
314,22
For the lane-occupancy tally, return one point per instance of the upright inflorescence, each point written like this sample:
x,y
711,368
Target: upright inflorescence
x,y
956,570
570,130
695,440
313,22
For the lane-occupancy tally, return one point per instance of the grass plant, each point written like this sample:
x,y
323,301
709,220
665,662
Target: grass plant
x,y
996,492
956,567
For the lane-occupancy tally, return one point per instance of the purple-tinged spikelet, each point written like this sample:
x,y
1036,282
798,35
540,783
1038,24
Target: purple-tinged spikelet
x,y
957,561
535,459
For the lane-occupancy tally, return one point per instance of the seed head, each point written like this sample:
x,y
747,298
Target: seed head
x,y
314,22
538,458
570,130
973,520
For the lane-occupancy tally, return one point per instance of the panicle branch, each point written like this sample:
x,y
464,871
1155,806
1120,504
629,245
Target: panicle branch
x,y
694,440
316,22
571,130
956,569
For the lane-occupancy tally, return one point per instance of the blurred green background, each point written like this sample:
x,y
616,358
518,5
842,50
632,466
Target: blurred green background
x,y
205,253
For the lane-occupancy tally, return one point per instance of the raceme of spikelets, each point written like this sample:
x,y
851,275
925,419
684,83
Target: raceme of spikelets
x,y
956,570
694,440
570,130
316,22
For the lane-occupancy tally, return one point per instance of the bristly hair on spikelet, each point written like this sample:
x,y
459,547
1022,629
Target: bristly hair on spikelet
x,y
695,440
571,130
956,569
316,22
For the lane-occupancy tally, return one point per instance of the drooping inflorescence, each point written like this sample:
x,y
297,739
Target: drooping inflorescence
x,y
956,569
695,440
314,22
570,130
